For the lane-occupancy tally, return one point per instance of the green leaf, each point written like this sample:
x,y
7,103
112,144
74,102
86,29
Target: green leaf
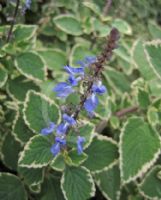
x,y
94,7
122,26
76,159
20,130
143,98
151,184
102,153
79,52
86,131
153,116
31,176
58,163
18,87
140,61
11,187
109,182
100,29
23,32
154,30
10,151
36,153
31,65
77,183
39,111
3,77
117,80
139,148
103,111
69,24
51,188
153,51
54,59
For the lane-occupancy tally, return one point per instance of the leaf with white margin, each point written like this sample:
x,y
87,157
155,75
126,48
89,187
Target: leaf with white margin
x,y
36,153
140,61
77,183
122,26
153,52
139,148
102,153
58,163
19,86
69,24
39,111
20,130
109,182
31,176
51,189
150,187
10,150
54,59
31,65
11,187
3,77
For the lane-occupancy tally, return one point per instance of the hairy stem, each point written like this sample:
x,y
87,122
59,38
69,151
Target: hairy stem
x,y
13,21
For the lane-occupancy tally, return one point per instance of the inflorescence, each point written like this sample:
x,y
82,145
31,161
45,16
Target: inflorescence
x,y
89,73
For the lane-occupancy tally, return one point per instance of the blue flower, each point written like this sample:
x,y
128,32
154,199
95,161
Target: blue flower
x,y
80,141
70,120
26,6
62,128
59,142
91,103
74,81
73,70
98,88
48,130
55,149
63,89
87,61
62,141
90,59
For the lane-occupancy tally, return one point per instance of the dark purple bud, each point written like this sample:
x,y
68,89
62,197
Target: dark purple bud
x,y
114,34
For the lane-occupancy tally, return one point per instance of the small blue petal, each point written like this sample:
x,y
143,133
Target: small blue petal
x,y
80,141
62,141
99,89
62,128
70,120
63,89
48,130
55,149
73,70
91,103
81,63
72,80
90,59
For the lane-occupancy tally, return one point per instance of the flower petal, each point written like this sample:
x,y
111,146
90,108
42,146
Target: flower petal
x,y
48,130
70,120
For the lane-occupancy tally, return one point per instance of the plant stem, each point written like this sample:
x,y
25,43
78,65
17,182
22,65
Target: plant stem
x,y
121,113
105,55
107,7
13,21
125,111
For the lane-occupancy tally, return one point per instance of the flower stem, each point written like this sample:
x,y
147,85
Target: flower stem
x,y
13,21
98,66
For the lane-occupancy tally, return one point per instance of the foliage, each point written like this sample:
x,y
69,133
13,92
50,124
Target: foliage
x,y
116,153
